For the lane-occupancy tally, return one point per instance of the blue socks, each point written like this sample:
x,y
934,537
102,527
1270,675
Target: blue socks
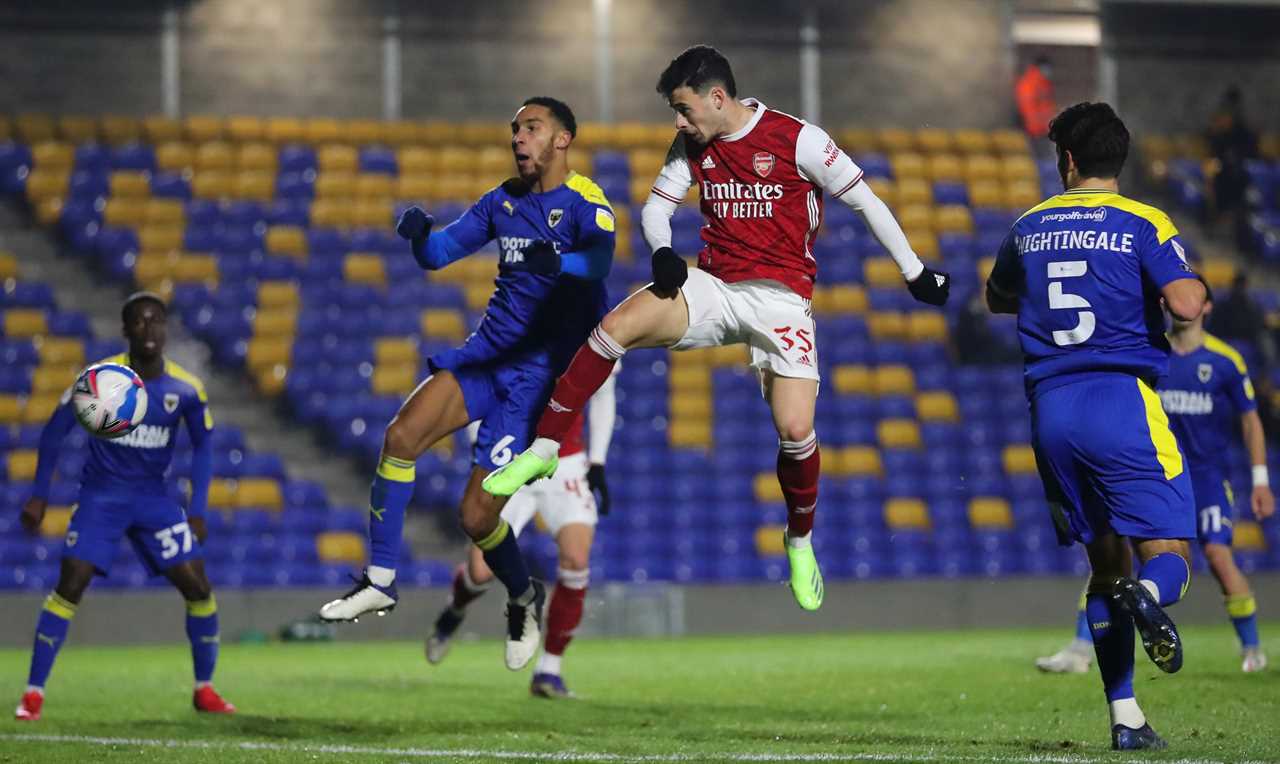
x,y
1243,609
1169,574
502,555
1112,632
202,632
392,490
51,632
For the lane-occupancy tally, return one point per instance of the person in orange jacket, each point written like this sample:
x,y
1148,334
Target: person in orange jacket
x,y
1034,95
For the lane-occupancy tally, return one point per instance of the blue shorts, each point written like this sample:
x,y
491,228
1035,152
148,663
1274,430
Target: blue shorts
x,y
507,400
1109,462
156,526
1215,508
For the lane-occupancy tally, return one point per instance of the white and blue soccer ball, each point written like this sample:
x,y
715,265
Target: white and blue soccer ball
x,y
109,400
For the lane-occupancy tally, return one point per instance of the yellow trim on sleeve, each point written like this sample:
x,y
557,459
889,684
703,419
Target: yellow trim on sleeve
x,y
587,189
59,606
399,470
1241,605
493,539
181,374
1162,438
1165,229
1218,347
203,608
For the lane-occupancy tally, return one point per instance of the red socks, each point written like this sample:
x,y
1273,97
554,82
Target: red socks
x,y
798,467
590,367
464,591
565,612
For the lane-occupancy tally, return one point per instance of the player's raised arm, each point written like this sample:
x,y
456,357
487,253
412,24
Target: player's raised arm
x,y
674,181
51,437
460,238
821,161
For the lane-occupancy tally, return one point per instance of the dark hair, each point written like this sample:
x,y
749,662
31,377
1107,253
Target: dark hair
x,y
1095,136
697,67
1208,293
559,109
138,298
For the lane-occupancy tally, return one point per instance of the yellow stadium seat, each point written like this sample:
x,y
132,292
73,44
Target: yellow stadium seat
x,y
895,140
212,184
373,213
1191,145
1219,273
268,351
690,434
898,433
47,184
398,379
1019,459
341,547
906,514
766,488
261,493
275,322
337,158
1021,195
331,213
893,379
841,298
372,185
1008,141
159,238
945,167
49,211
887,325
127,213
881,272
287,240
10,409
395,350
923,241
690,379
480,134
196,268
271,380
215,155
952,218
594,135
323,131
152,267
64,350
33,128
770,541
400,133
856,460
39,408
443,323
1019,168
364,269
55,523
972,142
985,193
981,167
280,130
168,212
907,164
937,406
990,512
857,140
8,266
887,190
25,322
456,159
21,464
477,295
914,215
330,185
244,128
222,493
118,130
77,129
926,326
690,406
411,160
1155,146
437,132
852,378
53,378
1269,146
985,264
278,294
494,161
258,157
934,140
1248,536
203,128
362,132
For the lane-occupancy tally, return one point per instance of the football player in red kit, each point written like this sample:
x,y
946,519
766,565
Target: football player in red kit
x,y
761,175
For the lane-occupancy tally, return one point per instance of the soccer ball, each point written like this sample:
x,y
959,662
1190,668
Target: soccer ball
x,y
109,400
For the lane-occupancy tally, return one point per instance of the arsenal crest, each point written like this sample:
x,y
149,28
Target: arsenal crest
x,y
554,218
170,402
1204,371
763,163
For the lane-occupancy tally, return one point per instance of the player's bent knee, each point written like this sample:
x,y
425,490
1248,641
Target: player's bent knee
x,y
400,440
575,561
477,519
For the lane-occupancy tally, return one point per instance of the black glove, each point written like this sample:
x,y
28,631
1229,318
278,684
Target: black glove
x,y
597,485
539,257
669,270
932,287
415,225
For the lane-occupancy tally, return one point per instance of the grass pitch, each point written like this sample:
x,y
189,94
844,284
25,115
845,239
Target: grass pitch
x,y
939,696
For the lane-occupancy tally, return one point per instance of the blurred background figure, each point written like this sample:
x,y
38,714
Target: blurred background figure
x,y
1232,143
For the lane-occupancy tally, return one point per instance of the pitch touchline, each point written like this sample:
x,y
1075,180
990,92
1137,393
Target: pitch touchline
x,y
570,756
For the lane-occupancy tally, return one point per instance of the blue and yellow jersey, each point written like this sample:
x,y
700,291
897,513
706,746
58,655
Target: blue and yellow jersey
x,y
1205,393
533,317
1087,267
136,463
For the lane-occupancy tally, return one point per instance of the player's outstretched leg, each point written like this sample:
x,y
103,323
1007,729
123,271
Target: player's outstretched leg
x,y
563,616
590,367
464,591
1076,657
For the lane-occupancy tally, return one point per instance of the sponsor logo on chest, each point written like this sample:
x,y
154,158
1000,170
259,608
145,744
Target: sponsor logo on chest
x,y
1186,401
146,436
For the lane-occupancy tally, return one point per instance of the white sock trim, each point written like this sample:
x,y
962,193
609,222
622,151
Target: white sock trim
x,y
1126,711
33,688
544,448
799,450
800,542
604,345
202,685
573,579
381,576
548,664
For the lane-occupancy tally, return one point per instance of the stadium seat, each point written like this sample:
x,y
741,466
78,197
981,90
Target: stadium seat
x,y
906,514
1219,273
766,488
990,512
854,379
1247,536
769,541
937,406
56,520
1018,459
854,460
341,547
898,433
443,323
263,493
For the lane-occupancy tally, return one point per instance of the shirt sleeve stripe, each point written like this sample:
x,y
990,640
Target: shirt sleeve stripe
x,y
850,185
665,195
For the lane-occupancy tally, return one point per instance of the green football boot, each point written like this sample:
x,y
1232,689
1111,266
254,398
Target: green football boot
x,y
806,579
525,468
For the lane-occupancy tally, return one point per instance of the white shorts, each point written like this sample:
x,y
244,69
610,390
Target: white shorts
x,y
561,499
774,321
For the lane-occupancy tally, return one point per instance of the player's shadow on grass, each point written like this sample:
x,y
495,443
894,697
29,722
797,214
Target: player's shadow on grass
x,y
249,726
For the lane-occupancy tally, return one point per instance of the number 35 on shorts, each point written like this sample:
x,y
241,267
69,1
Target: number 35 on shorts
x,y
795,341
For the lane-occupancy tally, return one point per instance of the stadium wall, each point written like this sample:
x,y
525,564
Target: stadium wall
x,y
156,615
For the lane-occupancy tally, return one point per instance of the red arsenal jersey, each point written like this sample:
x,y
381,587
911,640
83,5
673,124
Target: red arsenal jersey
x,y
761,191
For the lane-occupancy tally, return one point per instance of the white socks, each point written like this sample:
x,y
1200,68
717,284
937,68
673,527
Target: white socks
x,y
1125,711
800,542
380,576
545,448
548,664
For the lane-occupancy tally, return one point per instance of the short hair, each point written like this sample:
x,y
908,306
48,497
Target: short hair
x,y
1095,136
138,298
697,67
559,109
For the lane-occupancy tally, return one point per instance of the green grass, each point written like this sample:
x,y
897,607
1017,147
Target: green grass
x,y
969,696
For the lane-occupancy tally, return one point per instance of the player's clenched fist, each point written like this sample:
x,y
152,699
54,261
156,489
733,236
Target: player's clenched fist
x,y
33,514
669,270
414,223
932,287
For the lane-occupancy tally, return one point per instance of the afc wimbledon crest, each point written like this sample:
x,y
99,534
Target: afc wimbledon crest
x,y
170,402
554,217
1204,371
763,163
